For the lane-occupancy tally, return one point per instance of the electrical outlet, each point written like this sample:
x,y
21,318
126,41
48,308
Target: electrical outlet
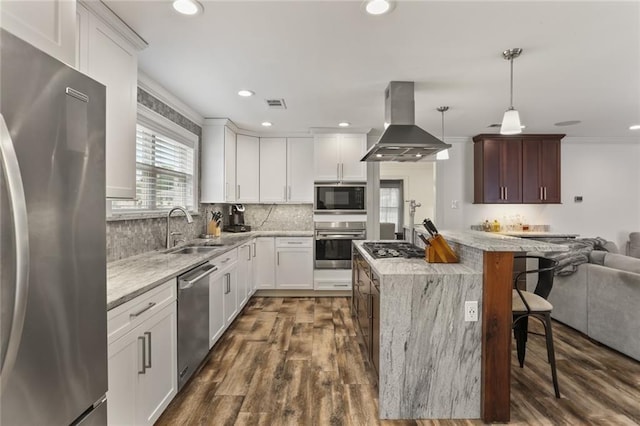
x,y
471,311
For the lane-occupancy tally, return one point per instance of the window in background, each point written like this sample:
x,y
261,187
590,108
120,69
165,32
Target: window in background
x,y
391,208
166,159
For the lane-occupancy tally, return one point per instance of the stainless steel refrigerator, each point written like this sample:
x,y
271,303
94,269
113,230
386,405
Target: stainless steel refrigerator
x,y
52,241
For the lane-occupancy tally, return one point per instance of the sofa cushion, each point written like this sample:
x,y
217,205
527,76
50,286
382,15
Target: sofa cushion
x,y
597,257
622,262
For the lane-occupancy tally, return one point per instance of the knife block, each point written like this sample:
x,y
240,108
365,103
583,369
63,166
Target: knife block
x,y
439,251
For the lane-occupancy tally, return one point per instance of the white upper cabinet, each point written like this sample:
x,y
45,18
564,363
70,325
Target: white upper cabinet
x,y
229,169
247,169
108,53
299,171
337,157
48,25
285,170
218,157
273,170
352,148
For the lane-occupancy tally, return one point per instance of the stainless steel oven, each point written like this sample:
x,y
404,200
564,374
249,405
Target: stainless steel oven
x,y
340,198
333,243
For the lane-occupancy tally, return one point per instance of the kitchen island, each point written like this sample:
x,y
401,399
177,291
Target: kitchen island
x,y
433,364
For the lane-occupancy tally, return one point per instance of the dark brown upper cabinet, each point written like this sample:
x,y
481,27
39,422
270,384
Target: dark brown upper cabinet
x,y
516,169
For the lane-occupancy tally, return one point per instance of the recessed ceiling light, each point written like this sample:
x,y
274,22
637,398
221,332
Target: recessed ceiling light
x,y
188,7
378,7
344,124
418,155
635,127
267,123
245,93
379,155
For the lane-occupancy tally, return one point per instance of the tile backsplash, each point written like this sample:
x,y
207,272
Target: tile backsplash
x,y
279,217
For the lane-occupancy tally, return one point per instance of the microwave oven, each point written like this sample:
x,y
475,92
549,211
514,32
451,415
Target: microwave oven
x,y
340,198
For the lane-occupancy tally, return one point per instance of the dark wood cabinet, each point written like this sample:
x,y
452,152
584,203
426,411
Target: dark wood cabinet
x,y
366,306
541,170
516,169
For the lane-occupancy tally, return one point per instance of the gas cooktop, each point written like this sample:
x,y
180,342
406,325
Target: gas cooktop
x,y
384,250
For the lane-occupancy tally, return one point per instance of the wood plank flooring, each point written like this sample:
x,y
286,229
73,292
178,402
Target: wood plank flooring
x,y
298,361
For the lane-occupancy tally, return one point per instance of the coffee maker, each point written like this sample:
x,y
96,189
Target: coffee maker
x,y
235,219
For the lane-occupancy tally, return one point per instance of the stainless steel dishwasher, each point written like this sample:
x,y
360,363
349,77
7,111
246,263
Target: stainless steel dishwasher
x,y
193,320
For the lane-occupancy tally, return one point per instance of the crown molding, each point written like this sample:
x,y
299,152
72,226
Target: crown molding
x,y
150,86
335,130
102,11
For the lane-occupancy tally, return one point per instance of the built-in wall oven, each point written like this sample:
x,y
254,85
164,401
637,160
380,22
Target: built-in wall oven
x,y
340,198
333,243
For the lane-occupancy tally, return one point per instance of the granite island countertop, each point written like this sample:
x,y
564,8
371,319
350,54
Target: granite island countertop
x,y
489,241
135,275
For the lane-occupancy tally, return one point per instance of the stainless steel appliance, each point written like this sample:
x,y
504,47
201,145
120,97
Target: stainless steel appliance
x,y
52,241
193,320
340,198
387,249
333,243
235,219
402,140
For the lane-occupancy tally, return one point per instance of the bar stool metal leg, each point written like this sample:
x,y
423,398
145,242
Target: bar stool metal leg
x,y
551,352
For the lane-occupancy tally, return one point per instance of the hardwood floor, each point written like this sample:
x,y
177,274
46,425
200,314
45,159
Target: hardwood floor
x,y
298,361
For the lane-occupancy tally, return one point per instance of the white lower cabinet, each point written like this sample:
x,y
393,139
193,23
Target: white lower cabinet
x,y
142,357
223,295
245,273
294,263
264,272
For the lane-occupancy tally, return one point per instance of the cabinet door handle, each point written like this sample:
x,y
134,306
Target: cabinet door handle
x,y
144,355
226,260
545,193
338,170
148,335
285,192
226,190
289,196
141,311
254,249
540,196
502,193
278,258
506,193
238,197
248,252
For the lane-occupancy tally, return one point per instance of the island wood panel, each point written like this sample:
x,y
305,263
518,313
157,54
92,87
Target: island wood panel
x,y
496,336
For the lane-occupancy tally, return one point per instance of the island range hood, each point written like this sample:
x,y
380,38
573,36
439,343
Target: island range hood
x,y
402,140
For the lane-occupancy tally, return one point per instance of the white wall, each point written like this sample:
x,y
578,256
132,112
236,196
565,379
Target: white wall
x,y
418,184
605,173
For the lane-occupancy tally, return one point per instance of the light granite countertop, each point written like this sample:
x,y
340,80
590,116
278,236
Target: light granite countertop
x,y
403,266
133,276
538,234
489,241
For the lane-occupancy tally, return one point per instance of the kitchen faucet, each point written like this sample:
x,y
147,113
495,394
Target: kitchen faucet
x,y
412,213
169,234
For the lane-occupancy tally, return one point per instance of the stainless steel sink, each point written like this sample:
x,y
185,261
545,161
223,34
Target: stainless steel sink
x,y
194,249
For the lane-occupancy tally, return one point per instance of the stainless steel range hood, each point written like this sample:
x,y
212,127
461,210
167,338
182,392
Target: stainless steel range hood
x,y
402,140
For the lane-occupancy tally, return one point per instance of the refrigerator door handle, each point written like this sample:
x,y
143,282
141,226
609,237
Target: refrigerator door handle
x,y
18,207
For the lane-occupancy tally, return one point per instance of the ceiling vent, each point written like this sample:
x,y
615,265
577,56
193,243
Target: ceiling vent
x,y
276,103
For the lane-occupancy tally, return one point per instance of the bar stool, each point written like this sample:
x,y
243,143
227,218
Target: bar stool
x,y
526,304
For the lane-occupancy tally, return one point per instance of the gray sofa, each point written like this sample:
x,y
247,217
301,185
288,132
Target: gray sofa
x,y
601,300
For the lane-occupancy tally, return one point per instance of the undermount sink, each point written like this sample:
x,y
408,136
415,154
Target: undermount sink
x,y
194,249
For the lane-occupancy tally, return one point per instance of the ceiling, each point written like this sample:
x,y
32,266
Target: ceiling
x,y
331,62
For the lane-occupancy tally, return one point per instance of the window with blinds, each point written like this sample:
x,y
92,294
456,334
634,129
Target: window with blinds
x,y
391,203
164,173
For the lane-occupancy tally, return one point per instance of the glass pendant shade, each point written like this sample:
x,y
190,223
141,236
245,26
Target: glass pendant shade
x,y
511,123
443,155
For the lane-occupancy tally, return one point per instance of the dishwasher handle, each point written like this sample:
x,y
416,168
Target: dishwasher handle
x,y
187,282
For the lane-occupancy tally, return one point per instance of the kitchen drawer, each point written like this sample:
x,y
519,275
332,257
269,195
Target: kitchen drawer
x,y
127,316
225,259
328,284
294,242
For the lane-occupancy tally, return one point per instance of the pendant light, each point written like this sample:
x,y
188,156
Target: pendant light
x,y
443,155
511,120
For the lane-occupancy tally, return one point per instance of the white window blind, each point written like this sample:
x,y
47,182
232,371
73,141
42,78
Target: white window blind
x,y
164,173
391,203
